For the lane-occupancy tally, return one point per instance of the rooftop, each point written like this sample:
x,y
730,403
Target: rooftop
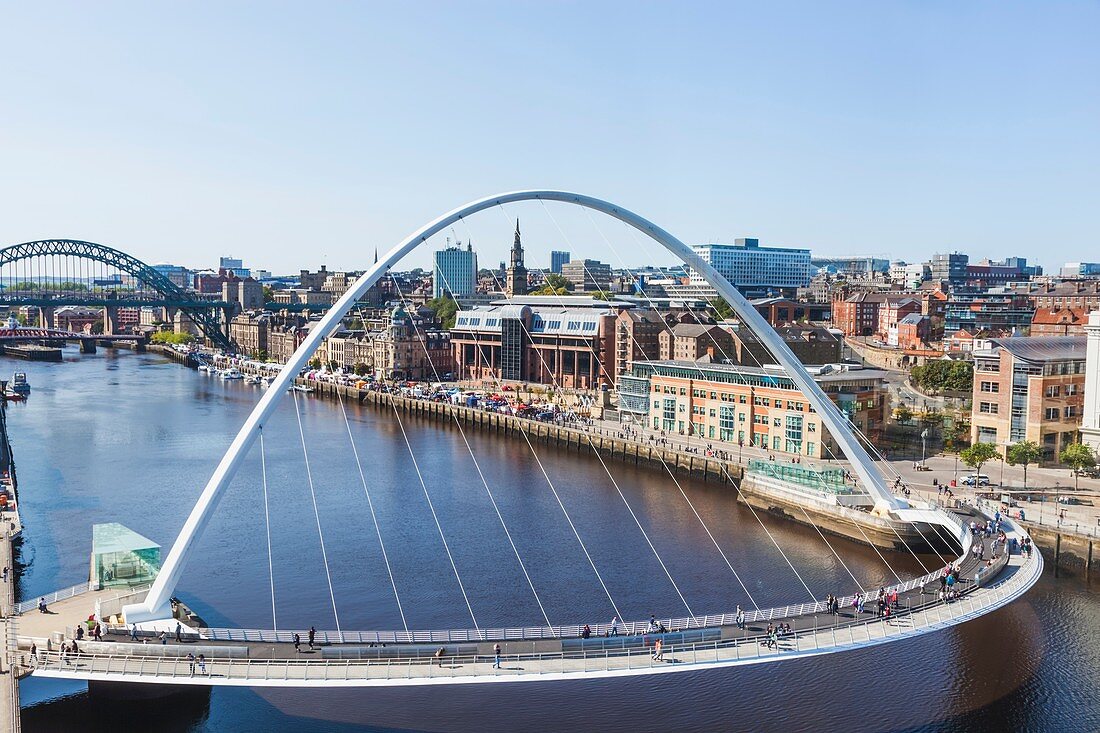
x,y
1043,348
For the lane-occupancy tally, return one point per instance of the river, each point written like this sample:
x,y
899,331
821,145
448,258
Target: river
x,y
132,438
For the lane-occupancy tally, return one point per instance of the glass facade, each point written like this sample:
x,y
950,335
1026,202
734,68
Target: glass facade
x,y
122,557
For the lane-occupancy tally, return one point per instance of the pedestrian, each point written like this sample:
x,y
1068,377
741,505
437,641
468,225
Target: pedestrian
x,y
439,656
740,618
496,655
179,633
202,664
163,636
297,643
614,630
133,632
658,650
42,605
312,635
191,663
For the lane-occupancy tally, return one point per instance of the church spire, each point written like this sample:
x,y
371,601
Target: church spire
x,y
517,273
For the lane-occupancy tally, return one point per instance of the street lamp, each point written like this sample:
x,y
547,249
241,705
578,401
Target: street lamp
x,y
923,446
956,469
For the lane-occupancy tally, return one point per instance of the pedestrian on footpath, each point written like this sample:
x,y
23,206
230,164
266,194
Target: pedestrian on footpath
x,y
202,664
179,633
312,636
297,643
439,656
496,655
191,663
163,637
133,632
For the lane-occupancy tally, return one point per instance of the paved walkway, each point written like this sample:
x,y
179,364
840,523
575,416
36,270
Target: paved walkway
x,y
9,684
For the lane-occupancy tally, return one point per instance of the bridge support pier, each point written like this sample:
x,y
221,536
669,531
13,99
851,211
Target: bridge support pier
x,y
87,346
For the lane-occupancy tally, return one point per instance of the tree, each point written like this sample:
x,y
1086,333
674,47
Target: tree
x,y
168,337
1078,457
362,369
315,363
941,375
445,311
602,295
903,414
269,294
1022,454
976,455
555,280
549,290
723,309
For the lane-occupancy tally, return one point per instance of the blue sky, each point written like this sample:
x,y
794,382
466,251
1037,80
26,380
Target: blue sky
x,y
291,134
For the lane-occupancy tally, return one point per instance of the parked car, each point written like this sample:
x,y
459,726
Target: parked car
x,y
976,479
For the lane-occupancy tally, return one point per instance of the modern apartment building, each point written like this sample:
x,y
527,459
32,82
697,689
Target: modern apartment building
x,y
756,270
1029,388
750,406
997,311
455,271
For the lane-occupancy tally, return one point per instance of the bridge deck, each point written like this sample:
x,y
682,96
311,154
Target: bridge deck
x,y
259,663
1017,577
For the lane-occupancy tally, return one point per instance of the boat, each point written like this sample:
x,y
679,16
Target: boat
x,y
19,384
203,368
300,388
231,373
253,379
14,396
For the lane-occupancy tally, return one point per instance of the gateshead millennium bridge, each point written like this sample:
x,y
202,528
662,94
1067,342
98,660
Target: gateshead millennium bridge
x,y
961,589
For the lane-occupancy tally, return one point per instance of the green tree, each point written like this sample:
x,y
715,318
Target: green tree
x,y
362,369
723,309
943,375
978,454
602,295
1023,454
903,414
1078,457
315,363
168,337
549,290
555,280
445,311
269,294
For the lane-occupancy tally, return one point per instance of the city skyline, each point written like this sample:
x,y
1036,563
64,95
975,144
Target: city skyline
x,y
913,130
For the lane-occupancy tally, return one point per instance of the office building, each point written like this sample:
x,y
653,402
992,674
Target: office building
x,y
455,271
557,259
1029,389
750,406
587,275
997,311
756,270
949,268
1090,420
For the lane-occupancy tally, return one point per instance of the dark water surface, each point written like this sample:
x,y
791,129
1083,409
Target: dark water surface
x,y
132,438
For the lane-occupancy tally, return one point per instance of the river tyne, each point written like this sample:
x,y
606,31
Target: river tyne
x,y
133,438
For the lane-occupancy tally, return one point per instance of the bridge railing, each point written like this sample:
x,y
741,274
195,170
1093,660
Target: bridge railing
x,y
927,617
58,595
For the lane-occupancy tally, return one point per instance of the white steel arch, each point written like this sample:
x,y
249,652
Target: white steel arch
x,y
156,605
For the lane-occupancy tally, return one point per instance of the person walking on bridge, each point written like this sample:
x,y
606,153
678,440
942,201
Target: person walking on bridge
x,y
297,643
496,655
312,636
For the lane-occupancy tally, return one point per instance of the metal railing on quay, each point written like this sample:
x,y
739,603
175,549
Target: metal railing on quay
x,y
58,595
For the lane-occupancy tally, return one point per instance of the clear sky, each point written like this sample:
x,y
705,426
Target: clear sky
x,y
291,134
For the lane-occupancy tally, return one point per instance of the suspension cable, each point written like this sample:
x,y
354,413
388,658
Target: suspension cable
x,y
481,475
267,525
435,517
373,516
316,512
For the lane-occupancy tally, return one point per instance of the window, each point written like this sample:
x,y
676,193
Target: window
x,y
987,435
1051,413
810,449
1054,391
987,408
990,387
725,422
1071,411
1072,389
